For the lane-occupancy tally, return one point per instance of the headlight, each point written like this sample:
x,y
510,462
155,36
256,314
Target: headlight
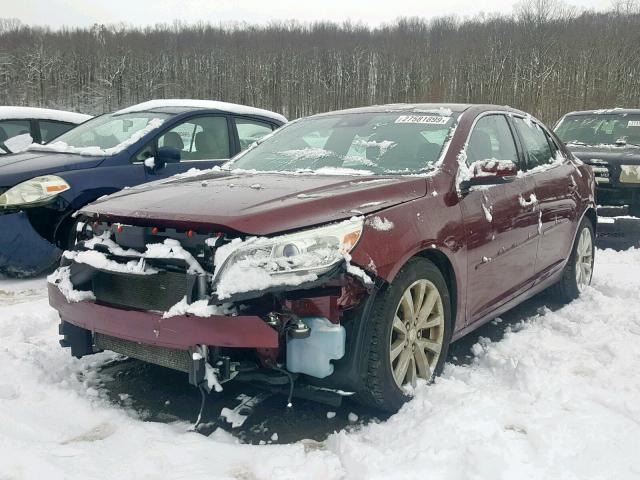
x,y
292,259
34,191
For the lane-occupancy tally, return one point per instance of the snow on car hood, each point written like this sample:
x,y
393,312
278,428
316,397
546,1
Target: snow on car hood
x,y
19,167
259,204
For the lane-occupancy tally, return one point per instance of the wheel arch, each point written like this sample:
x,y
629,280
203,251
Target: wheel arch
x,y
67,219
443,263
592,215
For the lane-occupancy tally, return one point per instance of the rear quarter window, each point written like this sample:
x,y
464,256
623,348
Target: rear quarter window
x,y
50,129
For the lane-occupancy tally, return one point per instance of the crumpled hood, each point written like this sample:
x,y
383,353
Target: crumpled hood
x,y
19,167
612,155
256,204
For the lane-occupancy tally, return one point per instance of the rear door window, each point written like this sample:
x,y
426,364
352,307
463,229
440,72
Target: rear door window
x,y
535,142
199,138
491,139
13,128
50,129
250,131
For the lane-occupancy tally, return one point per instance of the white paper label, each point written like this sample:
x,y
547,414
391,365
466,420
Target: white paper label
x,y
430,119
633,123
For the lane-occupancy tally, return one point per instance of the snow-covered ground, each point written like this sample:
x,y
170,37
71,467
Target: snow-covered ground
x,y
557,398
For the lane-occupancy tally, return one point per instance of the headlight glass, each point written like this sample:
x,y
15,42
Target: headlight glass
x,y
292,259
36,190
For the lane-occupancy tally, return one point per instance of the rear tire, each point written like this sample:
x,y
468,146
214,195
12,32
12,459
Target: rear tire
x,y
578,271
408,335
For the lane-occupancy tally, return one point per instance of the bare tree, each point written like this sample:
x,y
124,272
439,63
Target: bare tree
x,y
546,58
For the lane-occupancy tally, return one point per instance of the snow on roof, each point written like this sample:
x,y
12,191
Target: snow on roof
x,y
10,113
211,104
606,111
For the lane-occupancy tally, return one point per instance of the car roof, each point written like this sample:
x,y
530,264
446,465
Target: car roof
x,y
175,105
607,111
21,113
423,108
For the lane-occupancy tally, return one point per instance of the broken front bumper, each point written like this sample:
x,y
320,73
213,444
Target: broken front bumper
x,y
182,332
23,252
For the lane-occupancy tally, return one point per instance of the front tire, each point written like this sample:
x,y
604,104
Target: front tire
x,y
408,335
578,271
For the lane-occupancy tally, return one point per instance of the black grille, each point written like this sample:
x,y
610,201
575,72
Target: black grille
x,y
145,292
165,357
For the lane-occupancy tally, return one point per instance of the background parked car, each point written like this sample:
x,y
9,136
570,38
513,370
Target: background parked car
x,y
608,141
42,188
39,125
372,239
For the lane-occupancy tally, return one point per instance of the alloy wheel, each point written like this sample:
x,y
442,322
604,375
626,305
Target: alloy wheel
x,y
584,259
417,334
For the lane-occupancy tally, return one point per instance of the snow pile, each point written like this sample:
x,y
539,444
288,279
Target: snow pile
x,y
356,271
62,147
252,273
487,212
62,279
169,249
464,172
11,112
307,153
490,165
209,104
337,171
150,163
309,195
383,146
248,265
259,263
199,308
100,261
373,204
18,143
533,200
549,401
558,159
380,224
442,111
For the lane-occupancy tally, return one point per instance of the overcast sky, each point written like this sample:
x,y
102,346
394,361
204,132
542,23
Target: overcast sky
x,y
143,12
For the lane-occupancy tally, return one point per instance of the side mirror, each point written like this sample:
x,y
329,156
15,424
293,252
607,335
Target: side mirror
x,y
166,155
490,172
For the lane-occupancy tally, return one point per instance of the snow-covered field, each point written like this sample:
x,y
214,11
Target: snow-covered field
x,y
557,398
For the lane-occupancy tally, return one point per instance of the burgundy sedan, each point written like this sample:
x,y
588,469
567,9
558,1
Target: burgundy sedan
x,y
341,254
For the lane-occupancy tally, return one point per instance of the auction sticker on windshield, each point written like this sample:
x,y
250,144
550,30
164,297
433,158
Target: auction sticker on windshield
x,y
430,119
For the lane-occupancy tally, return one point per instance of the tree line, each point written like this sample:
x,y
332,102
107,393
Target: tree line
x,y
545,59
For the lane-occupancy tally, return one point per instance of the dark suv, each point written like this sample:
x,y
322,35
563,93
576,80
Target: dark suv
x,y
41,189
608,141
343,253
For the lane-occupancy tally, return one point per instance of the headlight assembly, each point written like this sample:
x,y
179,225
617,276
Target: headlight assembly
x,y
291,259
34,191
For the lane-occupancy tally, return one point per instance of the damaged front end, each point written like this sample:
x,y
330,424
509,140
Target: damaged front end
x,y
219,306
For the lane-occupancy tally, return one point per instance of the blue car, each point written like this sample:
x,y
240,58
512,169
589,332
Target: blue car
x,y
42,188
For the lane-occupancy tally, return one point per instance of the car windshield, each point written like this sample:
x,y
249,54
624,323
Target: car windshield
x,y
600,129
357,143
110,131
